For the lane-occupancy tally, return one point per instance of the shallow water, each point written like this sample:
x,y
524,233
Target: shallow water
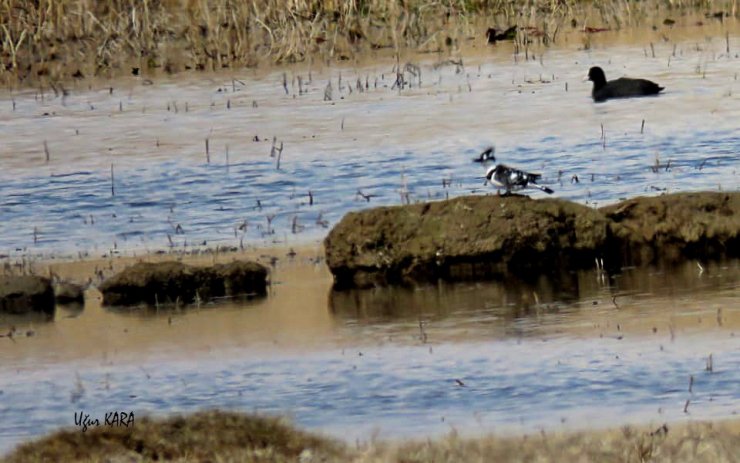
x,y
589,352
381,141
581,352
404,391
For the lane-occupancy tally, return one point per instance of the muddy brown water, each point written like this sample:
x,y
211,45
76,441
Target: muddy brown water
x,y
586,351
593,351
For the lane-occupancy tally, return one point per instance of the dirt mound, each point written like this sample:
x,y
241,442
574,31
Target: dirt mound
x,y
25,294
492,237
201,437
466,237
673,227
175,282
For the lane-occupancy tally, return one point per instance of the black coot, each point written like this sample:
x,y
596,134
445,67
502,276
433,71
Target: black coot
x,y
620,88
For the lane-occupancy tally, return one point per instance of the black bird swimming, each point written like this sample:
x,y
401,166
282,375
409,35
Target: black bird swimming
x,y
486,155
623,87
493,36
512,179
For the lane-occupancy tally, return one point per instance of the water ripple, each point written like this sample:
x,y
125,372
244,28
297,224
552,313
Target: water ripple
x,y
76,212
409,391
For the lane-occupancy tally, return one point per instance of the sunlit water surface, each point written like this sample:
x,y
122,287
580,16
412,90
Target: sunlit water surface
x,y
128,167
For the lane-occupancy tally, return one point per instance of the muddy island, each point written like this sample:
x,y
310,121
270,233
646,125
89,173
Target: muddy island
x,y
484,237
178,283
26,293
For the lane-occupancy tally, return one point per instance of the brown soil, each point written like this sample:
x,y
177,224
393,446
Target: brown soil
x,y
175,282
24,294
674,227
492,237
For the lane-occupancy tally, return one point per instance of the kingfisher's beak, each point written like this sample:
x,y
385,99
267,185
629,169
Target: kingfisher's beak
x,y
585,78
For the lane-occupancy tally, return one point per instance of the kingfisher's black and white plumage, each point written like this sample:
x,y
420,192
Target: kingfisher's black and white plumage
x,y
486,155
512,179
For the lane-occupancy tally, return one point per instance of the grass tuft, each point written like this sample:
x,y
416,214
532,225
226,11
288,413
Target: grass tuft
x,y
203,436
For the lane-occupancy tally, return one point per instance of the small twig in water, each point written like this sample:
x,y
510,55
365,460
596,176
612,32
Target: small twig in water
x,y
321,221
269,223
727,41
296,227
364,196
280,153
422,332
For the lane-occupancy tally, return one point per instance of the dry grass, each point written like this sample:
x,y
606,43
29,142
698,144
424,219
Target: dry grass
x,y
51,41
700,442
222,436
205,436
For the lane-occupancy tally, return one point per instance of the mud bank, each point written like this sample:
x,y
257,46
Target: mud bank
x,y
25,294
674,227
483,237
28,294
175,282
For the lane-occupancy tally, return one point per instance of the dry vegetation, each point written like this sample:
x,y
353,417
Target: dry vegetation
x,y
206,436
222,436
702,442
49,41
